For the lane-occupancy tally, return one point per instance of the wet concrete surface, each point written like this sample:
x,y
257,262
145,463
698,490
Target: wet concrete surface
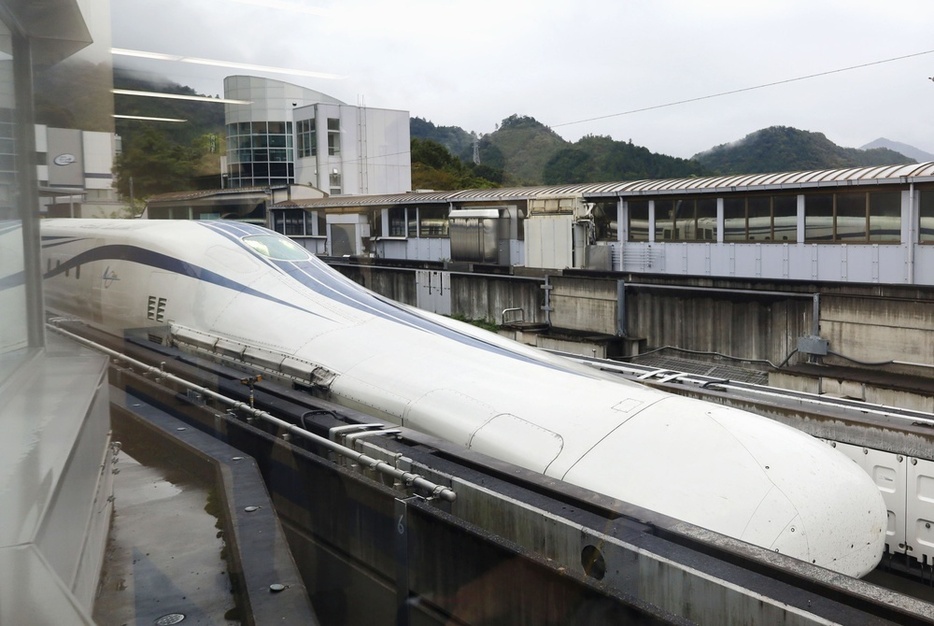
x,y
164,555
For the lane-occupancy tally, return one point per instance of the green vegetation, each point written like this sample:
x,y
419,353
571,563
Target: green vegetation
x,y
784,149
159,157
530,153
484,324
434,167
595,159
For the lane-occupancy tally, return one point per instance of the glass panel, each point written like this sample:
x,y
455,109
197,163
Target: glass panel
x,y
818,217
433,222
734,218
258,128
397,221
412,229
785,218
321,223
604,214
759,223
276,128
684,220
926,230
706,209
851,217
664,220
885,216
276,247
294,222
638,220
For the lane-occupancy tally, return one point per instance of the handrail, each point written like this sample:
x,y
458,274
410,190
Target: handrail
x,y
408,478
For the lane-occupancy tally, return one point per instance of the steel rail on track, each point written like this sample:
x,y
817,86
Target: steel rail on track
x,y
645,374
408,478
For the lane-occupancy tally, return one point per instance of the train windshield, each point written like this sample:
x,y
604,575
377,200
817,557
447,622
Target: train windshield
x,y
277,247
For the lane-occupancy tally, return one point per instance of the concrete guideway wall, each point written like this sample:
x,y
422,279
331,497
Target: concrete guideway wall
x,y
874,330
486,297
584,304
865,323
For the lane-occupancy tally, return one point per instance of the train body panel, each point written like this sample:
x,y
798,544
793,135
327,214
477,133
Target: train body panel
x,y
720,468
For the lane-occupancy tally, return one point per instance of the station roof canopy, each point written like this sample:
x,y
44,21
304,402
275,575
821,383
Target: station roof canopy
x,y
874,175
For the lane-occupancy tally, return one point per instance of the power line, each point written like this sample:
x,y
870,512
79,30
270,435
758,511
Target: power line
x,y
745,89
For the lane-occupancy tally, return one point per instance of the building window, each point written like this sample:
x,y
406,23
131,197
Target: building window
x,y
307,138
760,218
926,230
853,217
638,220
433,221
259,154
334,137
686,219
397,221
334,180
885,216
605,221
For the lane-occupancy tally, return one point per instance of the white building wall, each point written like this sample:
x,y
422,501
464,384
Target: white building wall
x,y
98,160
374,143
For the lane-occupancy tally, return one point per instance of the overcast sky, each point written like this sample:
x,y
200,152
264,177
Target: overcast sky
x,y
473,63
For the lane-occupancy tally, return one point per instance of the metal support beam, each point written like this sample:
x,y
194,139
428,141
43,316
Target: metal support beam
x,y
403,617
621,308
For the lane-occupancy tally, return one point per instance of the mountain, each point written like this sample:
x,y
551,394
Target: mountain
x,y
530,153
909,151
595,159
523,146
457,140
784,149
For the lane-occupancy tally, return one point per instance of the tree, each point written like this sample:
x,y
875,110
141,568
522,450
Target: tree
x,y
155,165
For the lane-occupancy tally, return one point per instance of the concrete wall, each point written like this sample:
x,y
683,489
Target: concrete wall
x,y
748,328
866,323
584,304
874,330
486,297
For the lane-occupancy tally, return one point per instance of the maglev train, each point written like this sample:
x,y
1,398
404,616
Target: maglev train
x,y
261,294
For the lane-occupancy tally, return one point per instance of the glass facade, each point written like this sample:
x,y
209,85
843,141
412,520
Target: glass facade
x,y
853,217
307,138
760,218
926,221
686,219
260,154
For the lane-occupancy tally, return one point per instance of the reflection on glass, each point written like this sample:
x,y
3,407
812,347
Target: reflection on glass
x,y
818,217
926,230
850,224
638,220
885,216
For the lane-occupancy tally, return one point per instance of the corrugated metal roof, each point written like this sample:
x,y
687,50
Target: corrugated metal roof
x,y
175,196
889,174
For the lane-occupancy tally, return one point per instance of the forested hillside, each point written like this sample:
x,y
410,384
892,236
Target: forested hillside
x,y
783,149
530,153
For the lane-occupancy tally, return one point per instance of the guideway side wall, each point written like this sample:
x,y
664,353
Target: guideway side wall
x,y
867,324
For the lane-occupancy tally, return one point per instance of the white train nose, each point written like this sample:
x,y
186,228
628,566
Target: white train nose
x,y
749,478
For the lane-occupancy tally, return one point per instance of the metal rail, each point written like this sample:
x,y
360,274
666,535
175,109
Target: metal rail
x,y
408,478
645,374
